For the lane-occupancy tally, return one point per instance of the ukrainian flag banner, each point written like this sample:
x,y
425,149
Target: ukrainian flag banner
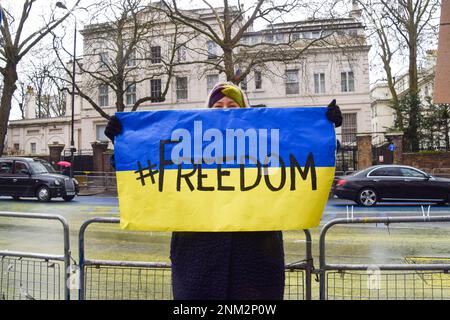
x,y
255,169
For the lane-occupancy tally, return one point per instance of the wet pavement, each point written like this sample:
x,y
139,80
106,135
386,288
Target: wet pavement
x,y
345,244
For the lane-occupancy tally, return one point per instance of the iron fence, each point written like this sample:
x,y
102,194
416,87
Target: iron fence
x,y
35,276
137,280
384,281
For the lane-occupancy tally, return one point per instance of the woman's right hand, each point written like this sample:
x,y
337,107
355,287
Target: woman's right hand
x,y
113,128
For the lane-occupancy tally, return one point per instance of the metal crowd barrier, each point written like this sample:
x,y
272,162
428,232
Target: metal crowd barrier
x,y
96,180
35,276
137,280
384,281
26,275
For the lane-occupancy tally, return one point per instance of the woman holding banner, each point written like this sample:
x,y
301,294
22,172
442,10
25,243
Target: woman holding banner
x,y
227,265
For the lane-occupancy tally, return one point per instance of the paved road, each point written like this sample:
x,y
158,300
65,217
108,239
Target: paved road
x,y
371,243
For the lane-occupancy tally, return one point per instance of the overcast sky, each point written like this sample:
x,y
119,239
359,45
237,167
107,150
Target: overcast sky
x,y
42,9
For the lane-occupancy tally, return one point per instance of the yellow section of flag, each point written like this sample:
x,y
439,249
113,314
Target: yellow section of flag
x,y
145,208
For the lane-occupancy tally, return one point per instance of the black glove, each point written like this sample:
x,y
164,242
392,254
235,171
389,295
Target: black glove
x,y
113,128
334,114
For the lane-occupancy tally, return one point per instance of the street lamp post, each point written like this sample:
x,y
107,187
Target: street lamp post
x,y
72,121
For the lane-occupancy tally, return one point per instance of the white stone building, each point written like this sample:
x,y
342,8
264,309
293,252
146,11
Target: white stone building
x,y
322,74
383,116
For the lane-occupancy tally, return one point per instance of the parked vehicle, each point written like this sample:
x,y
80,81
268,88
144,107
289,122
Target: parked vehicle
x,y
27,177
392,183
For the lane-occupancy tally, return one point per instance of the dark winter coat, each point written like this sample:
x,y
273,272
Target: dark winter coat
x,y
227,266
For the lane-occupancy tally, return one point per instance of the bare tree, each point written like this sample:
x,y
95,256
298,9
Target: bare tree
x,y
39,79
120,54
386,46
231,33
21,97
45,81
413,20
403,26
17,43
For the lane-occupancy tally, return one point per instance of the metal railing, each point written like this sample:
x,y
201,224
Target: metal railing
x,y
106,279
96,180
33,276
383,281
27,275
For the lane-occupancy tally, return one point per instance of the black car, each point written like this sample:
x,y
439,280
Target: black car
x,y
392,183
27,177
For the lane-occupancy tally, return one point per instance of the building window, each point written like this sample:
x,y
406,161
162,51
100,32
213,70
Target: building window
x,y
155,90
268,38
131,93
33,148
155,54
244,84
319,83
258,80
212,49
181,54
315,34
100,133
103,95
131,61
347,82
182,88
353,32
16,147
211,81
279,37
292,82
103,59
349,128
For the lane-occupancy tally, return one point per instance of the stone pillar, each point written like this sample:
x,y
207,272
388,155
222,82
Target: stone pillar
x,y
364,143
396,139
107,160
99,149
55,152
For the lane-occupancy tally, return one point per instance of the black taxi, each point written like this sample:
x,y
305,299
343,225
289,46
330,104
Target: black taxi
x,y
32,177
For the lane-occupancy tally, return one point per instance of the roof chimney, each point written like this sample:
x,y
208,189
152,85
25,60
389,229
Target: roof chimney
x,y
356,12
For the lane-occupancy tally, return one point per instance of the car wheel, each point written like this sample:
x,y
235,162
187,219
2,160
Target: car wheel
x,y
367,197
68,198
16,198
43,194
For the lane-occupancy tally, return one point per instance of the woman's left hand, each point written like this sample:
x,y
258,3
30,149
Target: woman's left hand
x,y
334,114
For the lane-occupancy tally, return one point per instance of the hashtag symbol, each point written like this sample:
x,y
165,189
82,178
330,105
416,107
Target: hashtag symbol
x,y
151,173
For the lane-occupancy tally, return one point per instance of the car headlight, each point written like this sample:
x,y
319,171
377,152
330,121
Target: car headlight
x,y
57,183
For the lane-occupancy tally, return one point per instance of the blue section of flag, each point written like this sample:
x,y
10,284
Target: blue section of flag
x,y
302,131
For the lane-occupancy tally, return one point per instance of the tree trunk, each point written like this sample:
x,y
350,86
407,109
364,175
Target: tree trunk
x,y
413,76
120,105
9,87
229,65
395,100
414,125
414,93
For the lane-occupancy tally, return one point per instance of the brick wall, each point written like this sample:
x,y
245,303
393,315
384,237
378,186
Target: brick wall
x,y
427,161
364,143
